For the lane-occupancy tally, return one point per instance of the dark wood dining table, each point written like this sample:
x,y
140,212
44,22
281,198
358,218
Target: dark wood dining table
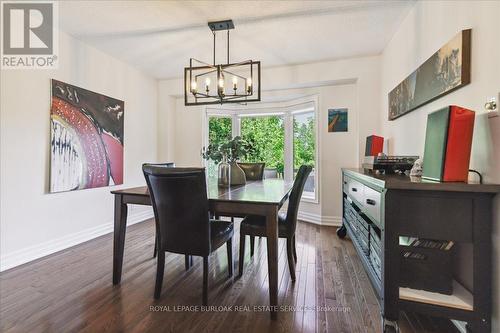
x,y
263,198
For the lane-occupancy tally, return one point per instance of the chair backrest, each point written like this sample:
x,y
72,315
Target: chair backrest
x,y
180,204
253,171
166,164
270,173
295,196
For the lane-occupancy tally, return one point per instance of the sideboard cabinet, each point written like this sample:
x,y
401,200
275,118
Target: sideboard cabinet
x,y
381,211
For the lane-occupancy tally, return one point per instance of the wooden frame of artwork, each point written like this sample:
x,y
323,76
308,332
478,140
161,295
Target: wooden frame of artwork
x,y
445,71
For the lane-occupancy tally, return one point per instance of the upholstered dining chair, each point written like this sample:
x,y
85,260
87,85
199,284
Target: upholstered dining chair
x,y
270,173
166,165
287,223
253,171
180,204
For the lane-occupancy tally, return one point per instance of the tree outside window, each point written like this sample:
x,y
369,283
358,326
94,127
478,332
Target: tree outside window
x,y
304,145
267,136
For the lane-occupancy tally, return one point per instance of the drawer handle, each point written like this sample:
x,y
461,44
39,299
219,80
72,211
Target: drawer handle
x,y
354,189
371,202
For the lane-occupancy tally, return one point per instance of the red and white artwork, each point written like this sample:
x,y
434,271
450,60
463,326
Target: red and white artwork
x,y
86,139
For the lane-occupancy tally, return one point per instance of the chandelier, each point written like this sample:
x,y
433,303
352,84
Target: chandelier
x,y
224,83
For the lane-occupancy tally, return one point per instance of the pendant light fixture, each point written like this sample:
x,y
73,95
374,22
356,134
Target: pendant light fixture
x,y
221,83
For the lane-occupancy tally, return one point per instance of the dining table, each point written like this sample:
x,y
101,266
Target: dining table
x,y
263,198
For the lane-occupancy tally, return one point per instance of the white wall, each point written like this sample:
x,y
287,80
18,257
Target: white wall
x,y
429,25
33,222
352,83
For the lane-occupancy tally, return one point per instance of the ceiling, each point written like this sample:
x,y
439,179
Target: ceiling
x,y
159,37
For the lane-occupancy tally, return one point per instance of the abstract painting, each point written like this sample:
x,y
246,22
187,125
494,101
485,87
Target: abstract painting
x,y
86,143
337,120
446,70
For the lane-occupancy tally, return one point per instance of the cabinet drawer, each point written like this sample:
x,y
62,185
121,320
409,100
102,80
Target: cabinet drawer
x,y
375,240
376,263
356,190
363,243
372,203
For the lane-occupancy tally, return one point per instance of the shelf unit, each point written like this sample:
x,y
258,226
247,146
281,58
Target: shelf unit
x,y
394,206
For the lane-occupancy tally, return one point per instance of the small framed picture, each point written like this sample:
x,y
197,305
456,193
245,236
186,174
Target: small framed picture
x,y
337,120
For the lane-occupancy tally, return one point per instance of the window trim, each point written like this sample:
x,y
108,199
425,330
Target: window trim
x,y
286,110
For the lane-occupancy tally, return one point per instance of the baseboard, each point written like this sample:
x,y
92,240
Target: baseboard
x,y
334,221
31,253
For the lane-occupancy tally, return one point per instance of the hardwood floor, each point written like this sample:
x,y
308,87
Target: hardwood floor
x,y
72,291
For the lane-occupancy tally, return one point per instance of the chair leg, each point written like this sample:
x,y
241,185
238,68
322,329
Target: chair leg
x,y
156,245
252,245
188,261
242,253
159,273
205,280
294,249
291,261
229,245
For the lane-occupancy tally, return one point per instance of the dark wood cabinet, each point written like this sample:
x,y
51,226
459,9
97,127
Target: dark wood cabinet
x,y
379,209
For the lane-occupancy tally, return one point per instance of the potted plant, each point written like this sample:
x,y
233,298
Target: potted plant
x,y
226,156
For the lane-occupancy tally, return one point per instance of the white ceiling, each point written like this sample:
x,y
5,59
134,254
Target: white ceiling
x,y
159,37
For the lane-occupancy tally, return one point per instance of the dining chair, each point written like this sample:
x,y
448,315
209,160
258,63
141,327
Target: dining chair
x,y
180,205
166,165
270,173
287,223
253,171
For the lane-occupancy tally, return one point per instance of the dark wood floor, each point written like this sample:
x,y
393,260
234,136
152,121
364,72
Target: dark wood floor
x,y
71,291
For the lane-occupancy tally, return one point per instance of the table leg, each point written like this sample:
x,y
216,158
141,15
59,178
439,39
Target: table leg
x,y
119,237
272,258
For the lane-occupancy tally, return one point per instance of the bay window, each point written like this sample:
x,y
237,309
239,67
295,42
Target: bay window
x,y
284,136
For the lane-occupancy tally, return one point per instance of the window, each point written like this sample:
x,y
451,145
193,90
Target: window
x,y
267,136
219,130
304,147
284,137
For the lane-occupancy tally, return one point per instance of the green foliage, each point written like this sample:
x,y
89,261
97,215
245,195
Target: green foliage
x,y
219,130
303,142
267,137
234,150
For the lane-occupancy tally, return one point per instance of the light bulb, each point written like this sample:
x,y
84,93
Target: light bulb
x,y
235,84
221,83
249,86
207,84
194,86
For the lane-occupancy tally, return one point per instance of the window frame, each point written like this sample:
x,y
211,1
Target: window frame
x,y
286,110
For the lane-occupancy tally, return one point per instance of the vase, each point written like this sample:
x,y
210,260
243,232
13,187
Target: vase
x,y
237,175
224,173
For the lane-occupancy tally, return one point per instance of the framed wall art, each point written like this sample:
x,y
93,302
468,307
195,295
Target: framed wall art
x,y
86,145
445,71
